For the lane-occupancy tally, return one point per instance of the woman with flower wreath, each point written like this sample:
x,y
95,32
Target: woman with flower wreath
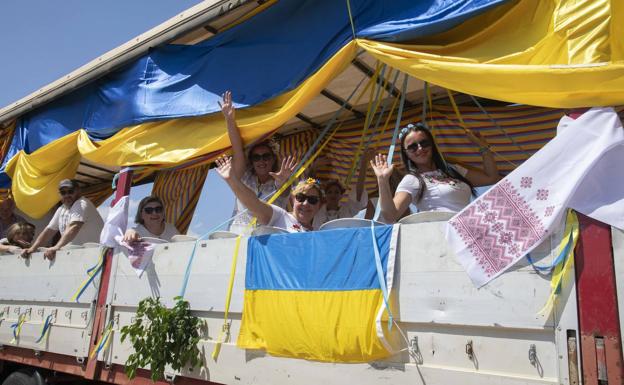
x,y
306,199
431,184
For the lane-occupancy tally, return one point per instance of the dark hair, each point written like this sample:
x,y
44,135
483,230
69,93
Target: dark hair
x,y
144,202
19,228
440,164
269,144
334,182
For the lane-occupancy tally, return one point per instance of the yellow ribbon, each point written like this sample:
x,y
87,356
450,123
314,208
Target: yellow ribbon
x,y
225,329
104,341
18,328
91,273
562,269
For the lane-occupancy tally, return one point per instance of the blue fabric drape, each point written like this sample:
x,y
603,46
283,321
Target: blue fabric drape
x,y
267,55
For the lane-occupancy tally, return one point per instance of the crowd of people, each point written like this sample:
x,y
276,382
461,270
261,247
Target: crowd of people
x,y
429,183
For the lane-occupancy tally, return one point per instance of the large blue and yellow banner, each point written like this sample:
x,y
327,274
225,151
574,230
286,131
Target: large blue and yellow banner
x,y
161,109
318,295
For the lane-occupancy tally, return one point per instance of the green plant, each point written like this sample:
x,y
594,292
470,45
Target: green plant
x,y
161,337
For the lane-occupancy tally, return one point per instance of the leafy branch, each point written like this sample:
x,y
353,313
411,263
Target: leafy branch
x,y
161,337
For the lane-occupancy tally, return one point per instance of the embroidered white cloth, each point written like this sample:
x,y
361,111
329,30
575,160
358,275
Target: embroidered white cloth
x,y
581,168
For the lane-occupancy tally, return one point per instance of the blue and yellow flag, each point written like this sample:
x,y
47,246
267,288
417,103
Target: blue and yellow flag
x,y
318,295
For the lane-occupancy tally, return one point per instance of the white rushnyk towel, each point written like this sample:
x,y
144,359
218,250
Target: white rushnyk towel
x,y
581,168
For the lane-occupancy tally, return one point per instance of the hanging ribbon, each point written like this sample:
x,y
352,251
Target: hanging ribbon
x,y
565,260
380,275
104,342
463,125
395,135
373,105
45,327
17,327
225,329
92,272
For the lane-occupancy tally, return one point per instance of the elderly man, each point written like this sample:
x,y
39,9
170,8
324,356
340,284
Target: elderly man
x,y
7,214
76,219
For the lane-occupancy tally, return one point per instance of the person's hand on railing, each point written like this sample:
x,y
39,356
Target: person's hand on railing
x,y
131,236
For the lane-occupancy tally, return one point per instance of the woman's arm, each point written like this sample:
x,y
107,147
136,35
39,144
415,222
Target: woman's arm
x,y
229,112
391,207
489,174
259,209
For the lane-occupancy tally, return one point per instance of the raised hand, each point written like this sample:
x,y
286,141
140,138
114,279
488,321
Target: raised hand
x,y
282,175
381,168
224,167
227,107
477,139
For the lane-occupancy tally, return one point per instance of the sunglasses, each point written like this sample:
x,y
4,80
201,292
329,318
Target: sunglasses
x,y
258,157
151,210
425,143
312,199
67,192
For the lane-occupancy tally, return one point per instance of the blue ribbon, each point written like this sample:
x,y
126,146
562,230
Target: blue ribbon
x,y
45,328
380,275
560,258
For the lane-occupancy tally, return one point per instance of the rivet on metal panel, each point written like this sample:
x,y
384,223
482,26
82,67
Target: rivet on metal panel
x,y
80,360
37,353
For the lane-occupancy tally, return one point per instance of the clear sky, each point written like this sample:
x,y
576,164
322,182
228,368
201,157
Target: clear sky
x,y
43,40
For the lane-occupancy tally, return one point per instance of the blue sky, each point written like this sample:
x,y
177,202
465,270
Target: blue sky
x,y
43,40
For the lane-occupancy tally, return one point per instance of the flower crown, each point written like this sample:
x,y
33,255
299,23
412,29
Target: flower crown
x,y
312,181
406,130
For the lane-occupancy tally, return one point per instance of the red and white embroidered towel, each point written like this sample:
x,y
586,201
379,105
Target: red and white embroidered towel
x,y
581,168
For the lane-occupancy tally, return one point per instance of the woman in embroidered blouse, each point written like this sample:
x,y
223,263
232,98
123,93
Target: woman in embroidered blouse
x,y
306,199
259,171
431,184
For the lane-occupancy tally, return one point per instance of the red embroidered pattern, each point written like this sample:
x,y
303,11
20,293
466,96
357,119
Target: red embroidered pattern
x,y
499,228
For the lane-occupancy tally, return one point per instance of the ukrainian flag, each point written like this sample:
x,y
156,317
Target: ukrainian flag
x,y
318,295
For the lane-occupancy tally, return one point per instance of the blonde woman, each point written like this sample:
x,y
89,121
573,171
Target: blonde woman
x,y
306,199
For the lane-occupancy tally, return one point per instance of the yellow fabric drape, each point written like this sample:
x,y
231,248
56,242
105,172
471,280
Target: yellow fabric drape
x,y
552,53
180,190
35,176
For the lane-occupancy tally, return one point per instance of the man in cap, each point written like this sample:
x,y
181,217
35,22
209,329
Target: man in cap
x,y
76,219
